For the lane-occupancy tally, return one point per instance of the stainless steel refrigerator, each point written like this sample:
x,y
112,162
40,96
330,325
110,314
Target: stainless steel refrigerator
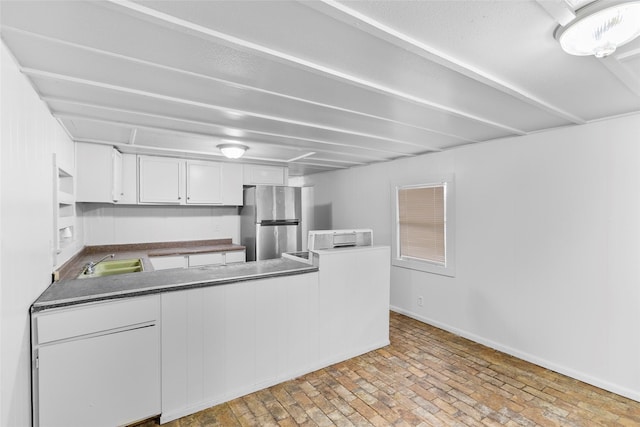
x,y
270,221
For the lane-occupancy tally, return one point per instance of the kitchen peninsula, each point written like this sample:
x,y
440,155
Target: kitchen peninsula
x,y
187,339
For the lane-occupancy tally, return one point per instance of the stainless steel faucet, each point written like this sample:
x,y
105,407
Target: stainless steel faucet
x,y
91,265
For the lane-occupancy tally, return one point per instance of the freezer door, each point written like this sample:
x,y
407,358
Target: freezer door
x,y
277,203
273,240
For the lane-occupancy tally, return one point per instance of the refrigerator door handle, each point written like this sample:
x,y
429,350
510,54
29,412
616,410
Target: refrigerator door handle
x,y
276,222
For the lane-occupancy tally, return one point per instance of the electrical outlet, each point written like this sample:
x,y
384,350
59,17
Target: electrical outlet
x,y
420,301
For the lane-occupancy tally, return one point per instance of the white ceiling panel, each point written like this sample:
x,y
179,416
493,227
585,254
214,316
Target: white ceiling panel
x,y
198,56
82,96
169,126
344,52
97,131
513,43
351,82
94,68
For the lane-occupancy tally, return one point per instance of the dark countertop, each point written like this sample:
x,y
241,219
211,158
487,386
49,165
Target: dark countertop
x,y
74,266
78,291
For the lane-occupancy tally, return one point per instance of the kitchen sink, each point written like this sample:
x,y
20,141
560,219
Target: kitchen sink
x,y
118,266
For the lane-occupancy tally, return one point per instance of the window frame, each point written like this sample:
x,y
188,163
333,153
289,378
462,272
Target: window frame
x,y
448,267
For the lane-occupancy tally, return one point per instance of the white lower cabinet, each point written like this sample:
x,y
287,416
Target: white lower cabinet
x,y
235,257
168,262
221,342
214,258
97,364
197,260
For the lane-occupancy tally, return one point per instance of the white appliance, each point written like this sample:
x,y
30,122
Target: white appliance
x,y
331,239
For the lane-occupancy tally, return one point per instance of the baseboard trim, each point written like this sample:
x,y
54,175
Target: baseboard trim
x,y
564,370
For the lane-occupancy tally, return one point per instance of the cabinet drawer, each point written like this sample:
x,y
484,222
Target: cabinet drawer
x,y
67,323
236,256
206,259
167,262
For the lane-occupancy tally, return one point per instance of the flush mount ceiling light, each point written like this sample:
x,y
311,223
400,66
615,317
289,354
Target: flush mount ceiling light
x,y
233,151
600,27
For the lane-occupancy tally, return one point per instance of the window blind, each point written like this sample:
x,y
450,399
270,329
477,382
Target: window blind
x,y
421,216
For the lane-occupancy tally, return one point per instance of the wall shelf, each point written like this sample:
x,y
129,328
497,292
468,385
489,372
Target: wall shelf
x,y
64,218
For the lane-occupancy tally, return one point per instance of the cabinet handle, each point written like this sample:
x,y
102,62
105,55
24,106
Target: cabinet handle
x,y
179,197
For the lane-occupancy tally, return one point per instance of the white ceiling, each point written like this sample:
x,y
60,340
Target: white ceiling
x,y
318,85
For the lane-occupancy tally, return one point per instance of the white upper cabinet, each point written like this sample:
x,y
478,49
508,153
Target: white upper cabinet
x,y
204,183
98,173
129,188
165,180
104,175
265,175
232,184
161,180
116,189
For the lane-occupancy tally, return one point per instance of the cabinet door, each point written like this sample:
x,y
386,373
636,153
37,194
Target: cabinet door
x,y
116,166
232,184
105,380
161,180
129,188
94,173
204,183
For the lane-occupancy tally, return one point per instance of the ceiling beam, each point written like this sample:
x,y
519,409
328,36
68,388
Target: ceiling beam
x,y
132,136
341,11
311,153
622,73
225,82
193,28
66,116
322,159
182,152
384,153
559,10
132,91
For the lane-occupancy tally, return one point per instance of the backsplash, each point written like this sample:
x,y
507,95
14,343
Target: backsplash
x,y
105,224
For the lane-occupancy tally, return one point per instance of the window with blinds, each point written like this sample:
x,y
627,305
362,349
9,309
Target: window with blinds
x,y
422,223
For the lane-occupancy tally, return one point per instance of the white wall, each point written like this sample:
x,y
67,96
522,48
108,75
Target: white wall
x,y
30,136
118,224
548,243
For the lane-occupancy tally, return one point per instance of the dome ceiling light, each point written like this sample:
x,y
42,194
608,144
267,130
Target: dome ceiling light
x,y
600,27
232,151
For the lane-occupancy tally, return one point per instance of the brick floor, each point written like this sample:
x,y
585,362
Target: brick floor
x,y
426,377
